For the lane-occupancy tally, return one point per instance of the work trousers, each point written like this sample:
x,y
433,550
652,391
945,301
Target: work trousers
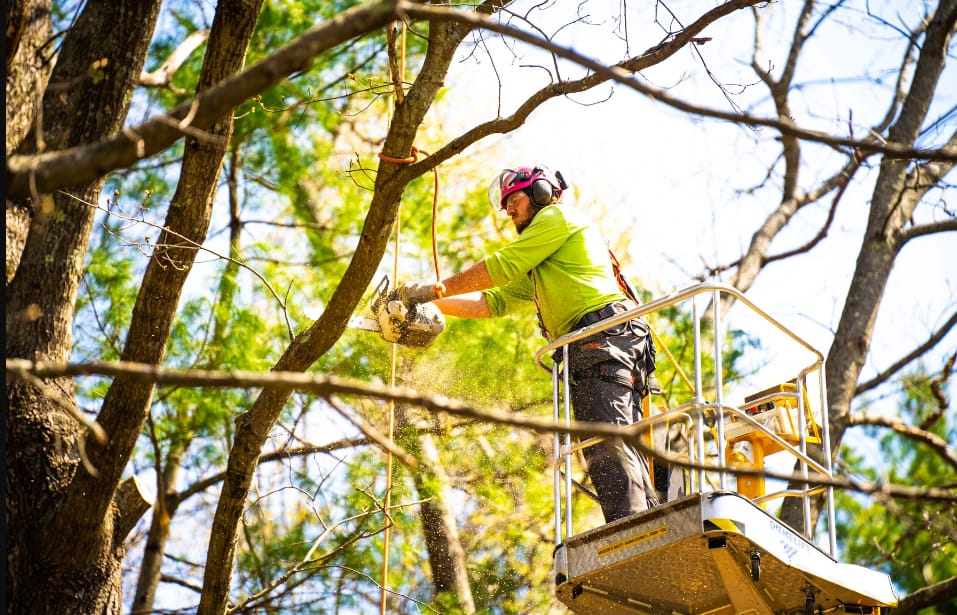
x,y
609,372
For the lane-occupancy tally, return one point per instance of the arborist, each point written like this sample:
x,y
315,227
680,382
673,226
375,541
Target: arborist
x,y
560,262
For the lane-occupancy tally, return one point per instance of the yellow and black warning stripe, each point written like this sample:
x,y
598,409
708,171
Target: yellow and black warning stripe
x,y
723,525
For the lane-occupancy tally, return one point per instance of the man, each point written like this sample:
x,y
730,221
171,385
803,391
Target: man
x,y
560,261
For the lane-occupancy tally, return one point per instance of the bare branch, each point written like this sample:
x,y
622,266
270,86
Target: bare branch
x,y
941,226
189,242
938,444
932,595
373,434
131,503
756,250
83,164
49,171
937,390
163,76
932,341
329,385
284,453
622,73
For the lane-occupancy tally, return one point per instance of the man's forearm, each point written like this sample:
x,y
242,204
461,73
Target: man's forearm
x,y
472,279
470,305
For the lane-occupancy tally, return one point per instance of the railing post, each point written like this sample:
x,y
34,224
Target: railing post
x,y
826,437
802,446
698,393
566,400
557,456
718,385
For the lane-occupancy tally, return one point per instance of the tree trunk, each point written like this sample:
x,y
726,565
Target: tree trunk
x,y
163,511
86,99
29,63
253,426
155,548
446,555
892,204
126,404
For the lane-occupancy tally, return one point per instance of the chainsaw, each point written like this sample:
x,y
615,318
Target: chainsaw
x,y
416,325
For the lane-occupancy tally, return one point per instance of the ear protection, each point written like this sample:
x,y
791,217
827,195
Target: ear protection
x,y
540,191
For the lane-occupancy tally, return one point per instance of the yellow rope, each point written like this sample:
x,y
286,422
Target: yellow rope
x,y
660,345
387,499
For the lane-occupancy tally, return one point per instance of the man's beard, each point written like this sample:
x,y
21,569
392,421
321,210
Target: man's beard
x,y
521,227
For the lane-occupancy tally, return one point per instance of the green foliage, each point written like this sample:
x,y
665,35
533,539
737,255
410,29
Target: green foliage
x,y
299,209
107,295
911,540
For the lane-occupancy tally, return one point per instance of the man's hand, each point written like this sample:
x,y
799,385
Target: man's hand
x,y
417,292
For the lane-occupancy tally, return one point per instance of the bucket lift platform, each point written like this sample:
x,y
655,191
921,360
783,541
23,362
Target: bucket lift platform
x,y
711,548
715,553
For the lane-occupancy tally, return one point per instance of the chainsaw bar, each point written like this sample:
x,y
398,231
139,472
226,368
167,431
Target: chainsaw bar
x,y
364,324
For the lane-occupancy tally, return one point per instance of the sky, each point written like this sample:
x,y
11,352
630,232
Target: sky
x,y
674,188
671,187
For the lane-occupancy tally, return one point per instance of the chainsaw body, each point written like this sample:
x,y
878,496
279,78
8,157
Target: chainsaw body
x,y
416,325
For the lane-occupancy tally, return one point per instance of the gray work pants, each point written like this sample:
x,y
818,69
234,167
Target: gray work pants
x,y
609,372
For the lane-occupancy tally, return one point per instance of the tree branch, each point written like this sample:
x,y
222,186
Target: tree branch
x,y
941,226
756,250
47,172
131,503
284,453
932,595
163,76
374,435
622,73
932,341
82,164
938,444
937,390
328,385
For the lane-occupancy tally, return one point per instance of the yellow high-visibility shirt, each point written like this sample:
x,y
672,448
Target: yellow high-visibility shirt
x,y
561,262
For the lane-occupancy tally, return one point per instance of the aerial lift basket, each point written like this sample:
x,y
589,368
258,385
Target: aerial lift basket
x,y
712,548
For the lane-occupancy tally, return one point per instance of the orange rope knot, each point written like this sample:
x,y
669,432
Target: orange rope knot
x,y
413,157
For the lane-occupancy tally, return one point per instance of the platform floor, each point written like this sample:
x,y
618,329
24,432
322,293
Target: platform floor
x,y
694,556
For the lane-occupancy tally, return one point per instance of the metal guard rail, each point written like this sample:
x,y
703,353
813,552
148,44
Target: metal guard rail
x,y
695,409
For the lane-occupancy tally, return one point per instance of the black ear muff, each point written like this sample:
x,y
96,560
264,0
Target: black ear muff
x,y
540,192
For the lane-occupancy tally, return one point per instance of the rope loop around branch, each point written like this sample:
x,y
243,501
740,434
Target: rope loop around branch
x,y
413,157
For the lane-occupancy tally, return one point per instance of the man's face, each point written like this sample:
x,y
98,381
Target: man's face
x,y
520,209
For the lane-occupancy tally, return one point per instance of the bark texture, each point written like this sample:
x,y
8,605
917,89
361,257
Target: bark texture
x,y
86,99
29,55
28,63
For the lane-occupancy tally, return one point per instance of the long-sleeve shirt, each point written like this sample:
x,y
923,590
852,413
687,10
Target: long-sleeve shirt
x,y
560,262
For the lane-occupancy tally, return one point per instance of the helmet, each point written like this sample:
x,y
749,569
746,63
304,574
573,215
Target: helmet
x,y
538,182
